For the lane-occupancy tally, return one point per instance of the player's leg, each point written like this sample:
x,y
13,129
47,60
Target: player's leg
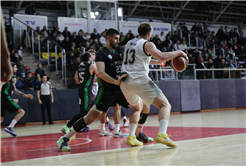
x,y
102,103
117,116
18,116
139,131
162,103
137,104
103,131
125,120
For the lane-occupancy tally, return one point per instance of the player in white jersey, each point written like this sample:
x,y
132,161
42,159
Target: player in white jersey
x,y
139,88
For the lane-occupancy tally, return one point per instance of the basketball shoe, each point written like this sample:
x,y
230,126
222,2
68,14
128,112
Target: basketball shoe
x,y
104,132
110,125
65,129
62,144
125,123
11,131
164,139
119,134
143,138
86,129
132,141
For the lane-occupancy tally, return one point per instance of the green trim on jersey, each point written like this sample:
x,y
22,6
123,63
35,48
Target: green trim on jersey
x,y
13,103
86,97
99,96
110,50
100,83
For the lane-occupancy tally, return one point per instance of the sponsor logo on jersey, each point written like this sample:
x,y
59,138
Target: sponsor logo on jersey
x,y
110,56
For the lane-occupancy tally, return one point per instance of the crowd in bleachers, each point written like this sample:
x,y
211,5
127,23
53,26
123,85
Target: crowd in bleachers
x,y
205,49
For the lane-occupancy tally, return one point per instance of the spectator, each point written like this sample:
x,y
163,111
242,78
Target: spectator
x,y
169,47
75,65
227,59
53,37
185,30
162,36
37,81
73,39
45,98
229,45
20,51
167,41
15,57
38,29
209,36
49,81
231,65
39,70
127,38
210,65
222,51
70,60
177,46
241,50
195,54
191,58
22,74
66,33
154,39
201,65
29,81
66,44
51,46
235,35
46,32
61,37
206,58
86,36
35,39
183,46
174,26
80,40
43,45
226,34
56,30
102,39
158,45
30,9
97,46
122,38
217,61
194,28
26,38
175,37
200,28
94,34
131,34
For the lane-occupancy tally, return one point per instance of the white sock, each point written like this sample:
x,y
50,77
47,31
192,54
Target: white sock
x,y
12,124
107,119
103,126
125,117
117,127
163,126
70,133
139,128
132,129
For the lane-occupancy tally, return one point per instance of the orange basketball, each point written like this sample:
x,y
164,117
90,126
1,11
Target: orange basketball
x,y
179,63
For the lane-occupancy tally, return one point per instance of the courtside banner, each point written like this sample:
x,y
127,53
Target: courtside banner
x,y
159,27
31,20
125,26
73,24
101,25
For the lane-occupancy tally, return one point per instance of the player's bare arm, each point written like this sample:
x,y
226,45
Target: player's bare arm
x,y
16,91
76,77
155,62
150,48
105,76
6,69
93,69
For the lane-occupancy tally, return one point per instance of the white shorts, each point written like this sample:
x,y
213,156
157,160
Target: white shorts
x,y
147,92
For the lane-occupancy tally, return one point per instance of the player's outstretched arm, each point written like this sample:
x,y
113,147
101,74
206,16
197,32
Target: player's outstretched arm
x,y
150,48
6,68
16,91
155,62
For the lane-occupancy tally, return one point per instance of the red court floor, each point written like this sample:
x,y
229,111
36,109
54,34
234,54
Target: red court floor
x,y
39,146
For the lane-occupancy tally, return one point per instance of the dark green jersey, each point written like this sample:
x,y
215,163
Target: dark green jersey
x,y
85,77
7,89
113,62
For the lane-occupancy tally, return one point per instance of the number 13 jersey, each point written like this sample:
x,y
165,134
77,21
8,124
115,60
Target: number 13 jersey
x,y
136,62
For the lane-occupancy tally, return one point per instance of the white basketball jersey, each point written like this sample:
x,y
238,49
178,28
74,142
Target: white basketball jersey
x,y
136,62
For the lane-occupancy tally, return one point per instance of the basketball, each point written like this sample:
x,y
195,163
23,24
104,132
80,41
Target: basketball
x,y
179,63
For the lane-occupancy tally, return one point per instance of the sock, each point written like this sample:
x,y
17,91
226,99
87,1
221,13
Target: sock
x,y
103,126
132,129
70,133
12,124
139,128
163,126
125,117
117,127
107,119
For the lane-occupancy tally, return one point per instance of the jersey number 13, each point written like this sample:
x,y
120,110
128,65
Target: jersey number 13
x,y
131,55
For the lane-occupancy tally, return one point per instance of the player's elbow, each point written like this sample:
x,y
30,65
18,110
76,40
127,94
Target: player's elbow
x,y
100,73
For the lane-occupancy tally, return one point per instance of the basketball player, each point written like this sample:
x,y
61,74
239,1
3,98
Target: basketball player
x,y
6,68
138,88
84,78
108,61
9,104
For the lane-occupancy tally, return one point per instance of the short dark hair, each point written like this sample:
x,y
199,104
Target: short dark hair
x,y
15,51
111,32
86,56
48,78
44,75
144,28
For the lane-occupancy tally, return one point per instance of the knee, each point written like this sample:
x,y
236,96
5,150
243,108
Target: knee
x,y
21,111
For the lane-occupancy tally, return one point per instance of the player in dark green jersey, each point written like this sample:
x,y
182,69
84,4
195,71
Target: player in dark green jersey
x,y
8,104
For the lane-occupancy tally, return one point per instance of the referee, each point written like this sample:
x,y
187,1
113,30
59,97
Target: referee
x,y
45,98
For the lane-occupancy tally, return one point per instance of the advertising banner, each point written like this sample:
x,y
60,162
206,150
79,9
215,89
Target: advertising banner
x,y
125,26
31,20
159,27
73,24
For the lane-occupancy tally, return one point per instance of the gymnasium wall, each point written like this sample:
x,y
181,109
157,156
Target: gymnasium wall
x,y
184,96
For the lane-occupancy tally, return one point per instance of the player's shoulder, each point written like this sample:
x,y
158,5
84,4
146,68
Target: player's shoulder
x,y
102,51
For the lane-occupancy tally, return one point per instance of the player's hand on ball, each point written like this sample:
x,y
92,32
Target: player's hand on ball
x,y
183,54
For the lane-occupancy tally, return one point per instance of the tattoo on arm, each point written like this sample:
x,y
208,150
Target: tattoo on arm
x,y
16,91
